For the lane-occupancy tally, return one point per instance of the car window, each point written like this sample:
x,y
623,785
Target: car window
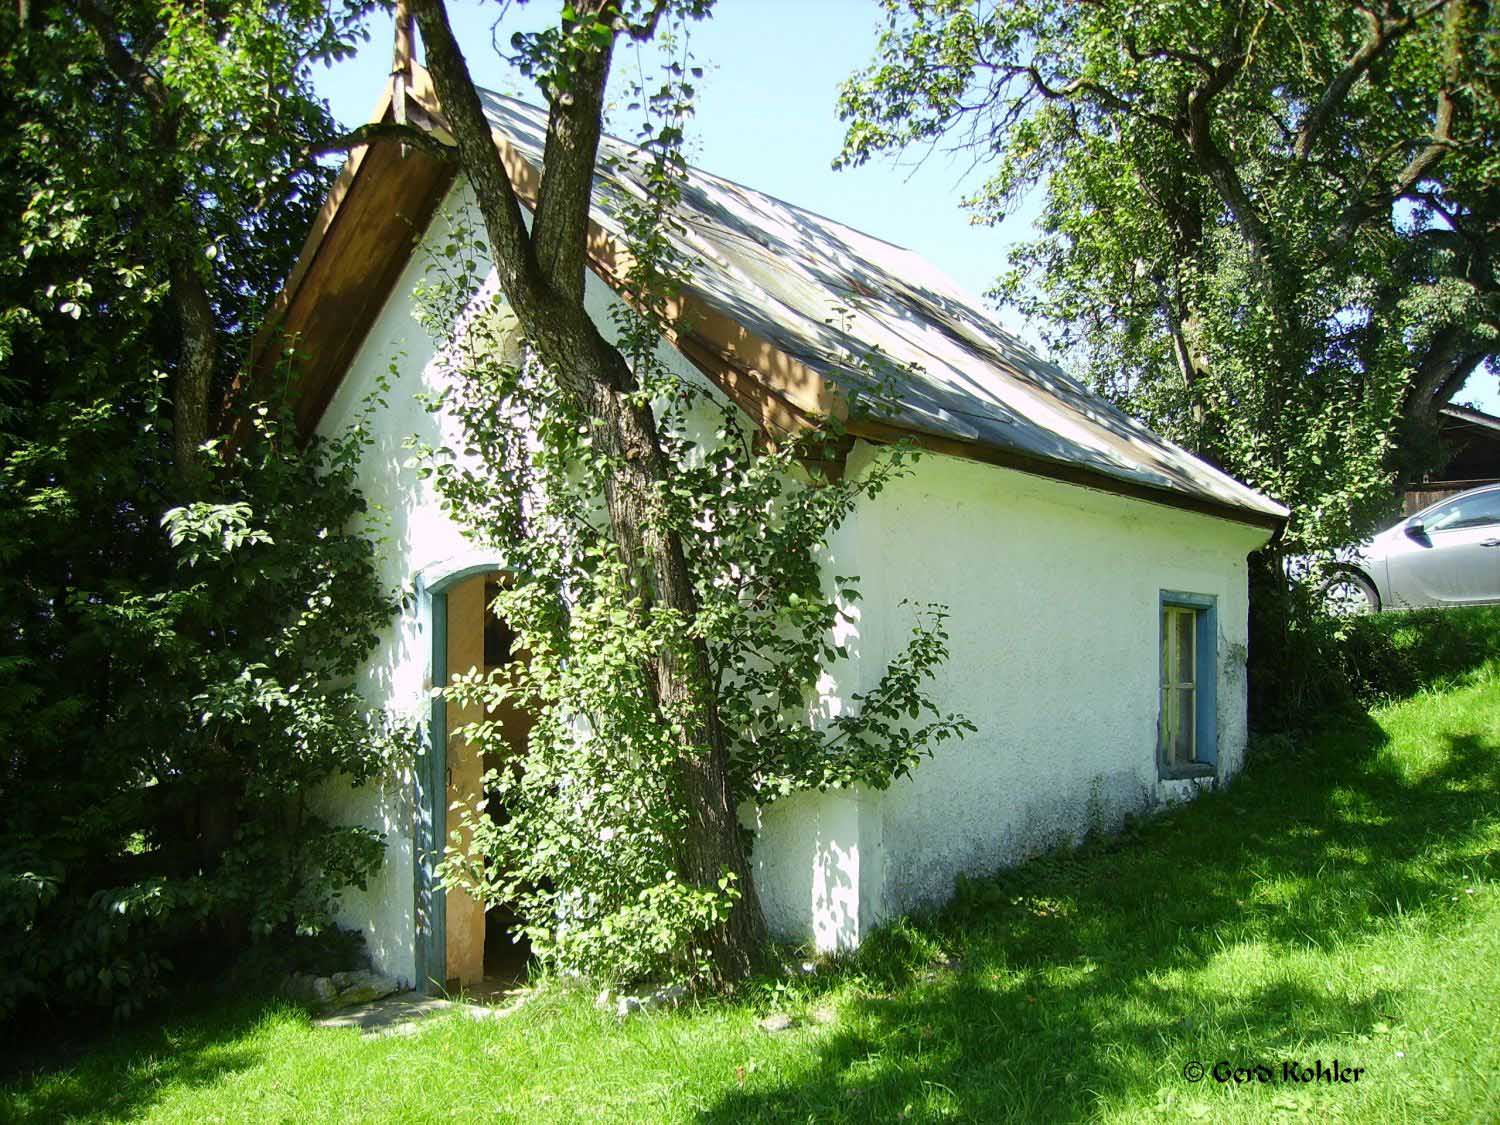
x,y
1467,511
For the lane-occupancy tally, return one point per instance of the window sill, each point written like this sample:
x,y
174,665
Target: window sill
x,y
1187,771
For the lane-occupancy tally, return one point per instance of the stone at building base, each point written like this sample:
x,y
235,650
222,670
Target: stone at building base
x,y
340,989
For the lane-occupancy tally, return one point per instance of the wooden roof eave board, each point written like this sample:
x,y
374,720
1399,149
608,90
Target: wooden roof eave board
x,y
1468,416
360,241
322,222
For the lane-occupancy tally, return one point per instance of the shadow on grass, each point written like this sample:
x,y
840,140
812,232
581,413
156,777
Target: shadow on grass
x,y
1084,981
99,1079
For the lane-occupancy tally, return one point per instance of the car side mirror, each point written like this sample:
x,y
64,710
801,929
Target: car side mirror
x,y
1416,530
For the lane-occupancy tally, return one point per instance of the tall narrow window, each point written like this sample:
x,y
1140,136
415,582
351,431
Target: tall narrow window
x,y
1187,739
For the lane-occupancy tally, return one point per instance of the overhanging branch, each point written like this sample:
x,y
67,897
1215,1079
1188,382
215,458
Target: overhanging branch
x,y
121,62
480,157
380,131
1438,142
1383,35
560,231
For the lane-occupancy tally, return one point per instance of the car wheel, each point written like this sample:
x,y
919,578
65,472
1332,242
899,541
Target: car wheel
x,y
1348,594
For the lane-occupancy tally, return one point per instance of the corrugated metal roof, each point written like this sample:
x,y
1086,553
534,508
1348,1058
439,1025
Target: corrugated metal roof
x,y
887,328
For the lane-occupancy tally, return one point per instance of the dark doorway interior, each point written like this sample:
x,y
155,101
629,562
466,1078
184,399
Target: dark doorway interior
x,y
505,958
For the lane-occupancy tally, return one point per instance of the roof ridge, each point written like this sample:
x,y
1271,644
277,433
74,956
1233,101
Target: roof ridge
x,y
762,319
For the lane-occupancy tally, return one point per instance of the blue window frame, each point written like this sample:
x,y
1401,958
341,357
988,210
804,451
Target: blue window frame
x,y
1187,742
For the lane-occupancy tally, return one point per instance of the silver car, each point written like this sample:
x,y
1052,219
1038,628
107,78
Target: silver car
x,y
1448,554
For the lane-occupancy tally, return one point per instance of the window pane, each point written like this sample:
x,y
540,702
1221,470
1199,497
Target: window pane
x,y
1471,511
1184,715
1183,624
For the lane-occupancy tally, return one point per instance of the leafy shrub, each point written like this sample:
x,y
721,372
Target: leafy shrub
x,y
1306,665
163,798
167,694
1390,655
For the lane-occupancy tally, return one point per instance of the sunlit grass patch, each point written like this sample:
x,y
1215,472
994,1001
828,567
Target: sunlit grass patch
x,y
1339,902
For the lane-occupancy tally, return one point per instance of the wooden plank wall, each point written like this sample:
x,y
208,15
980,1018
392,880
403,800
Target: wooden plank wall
x,y
1430,492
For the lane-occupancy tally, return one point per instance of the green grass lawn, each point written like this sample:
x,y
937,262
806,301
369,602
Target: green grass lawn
x,y
1339,902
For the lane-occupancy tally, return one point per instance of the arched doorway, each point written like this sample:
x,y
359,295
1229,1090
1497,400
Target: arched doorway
x,y
459,944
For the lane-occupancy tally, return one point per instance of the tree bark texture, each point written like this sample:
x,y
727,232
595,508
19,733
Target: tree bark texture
x,y
197,357
198,332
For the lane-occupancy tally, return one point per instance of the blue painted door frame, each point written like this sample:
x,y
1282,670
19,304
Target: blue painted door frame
x,y
430,778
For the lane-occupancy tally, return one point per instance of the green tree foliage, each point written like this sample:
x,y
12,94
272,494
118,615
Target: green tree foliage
x,y
178,616
587,826
1268,228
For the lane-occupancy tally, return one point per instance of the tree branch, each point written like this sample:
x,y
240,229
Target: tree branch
x,y
643,31
1189,58
1444,367
565,336
1196,129
1079,85
371,133
560,228
512,248
198,330
1436,148
1182,352
374,132
1462,371
1439,141
1382,36
122,64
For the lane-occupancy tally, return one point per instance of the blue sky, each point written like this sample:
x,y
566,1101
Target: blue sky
x,y
766,118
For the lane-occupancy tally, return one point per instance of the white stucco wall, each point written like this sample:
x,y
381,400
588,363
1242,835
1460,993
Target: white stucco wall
x,y
1055,595
1054,632
416,535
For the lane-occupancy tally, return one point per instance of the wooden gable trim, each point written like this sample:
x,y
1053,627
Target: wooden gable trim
x,y
360,242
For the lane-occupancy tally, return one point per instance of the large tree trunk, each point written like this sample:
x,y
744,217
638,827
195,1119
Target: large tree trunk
x,y
197,356
713,844
1450,358
542,274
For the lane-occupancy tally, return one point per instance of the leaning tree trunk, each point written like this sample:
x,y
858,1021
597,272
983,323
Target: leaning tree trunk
x,y
542,271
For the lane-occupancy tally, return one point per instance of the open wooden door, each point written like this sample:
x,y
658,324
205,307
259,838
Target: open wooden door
x,y
478,947
465,916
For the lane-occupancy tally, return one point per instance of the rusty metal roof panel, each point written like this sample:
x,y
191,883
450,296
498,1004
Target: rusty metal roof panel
x,y
887,328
